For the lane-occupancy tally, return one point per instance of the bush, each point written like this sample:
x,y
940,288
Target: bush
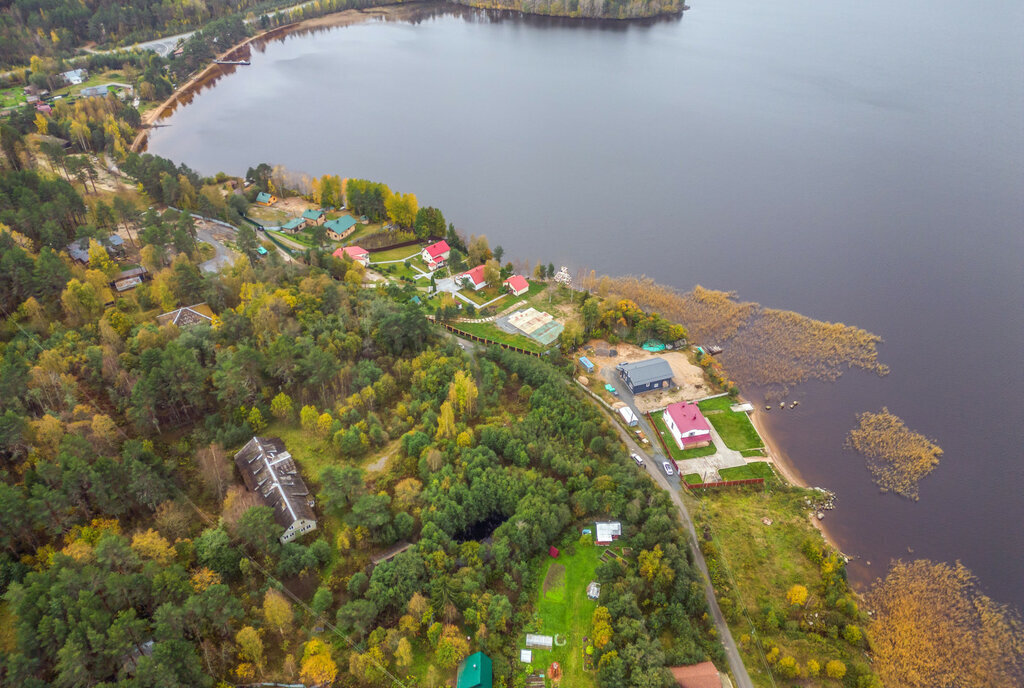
x,y
835,669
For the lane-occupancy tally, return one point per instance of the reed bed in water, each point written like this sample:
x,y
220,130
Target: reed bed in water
x,y
763,346
897,457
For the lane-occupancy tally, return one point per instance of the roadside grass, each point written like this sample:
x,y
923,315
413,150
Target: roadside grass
x,y
762,562
756,469
490,331
673,449
751,453
735,428
564,610
395,254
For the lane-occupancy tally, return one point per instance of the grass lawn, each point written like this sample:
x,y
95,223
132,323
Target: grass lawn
x,y
483,296
673,448
397,270
489,331
763,561
11,97
396,254
693,479
751,453
757,469
268,216
735,428
563,609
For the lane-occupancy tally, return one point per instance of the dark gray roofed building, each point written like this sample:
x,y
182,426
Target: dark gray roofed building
x,y
644,376
270,471
79,250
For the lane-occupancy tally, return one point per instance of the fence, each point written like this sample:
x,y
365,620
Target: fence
x,y
726,483
401,244
484,340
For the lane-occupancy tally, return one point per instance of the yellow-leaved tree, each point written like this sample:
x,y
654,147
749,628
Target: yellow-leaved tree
x,y
318,668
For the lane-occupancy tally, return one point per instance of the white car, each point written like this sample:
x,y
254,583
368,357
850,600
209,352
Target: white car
x,y
668,468
636,457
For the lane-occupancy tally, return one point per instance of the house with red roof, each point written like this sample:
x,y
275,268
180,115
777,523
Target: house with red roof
x,y
703,675
517,284
474,277
687,425
357,254
436,254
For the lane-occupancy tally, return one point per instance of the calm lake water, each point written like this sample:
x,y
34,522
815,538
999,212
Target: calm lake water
x,y
860,162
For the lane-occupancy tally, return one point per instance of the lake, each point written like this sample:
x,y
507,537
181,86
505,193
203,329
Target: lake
x,y
857,162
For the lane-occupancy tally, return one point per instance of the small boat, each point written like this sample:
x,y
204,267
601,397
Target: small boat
x,y
232,62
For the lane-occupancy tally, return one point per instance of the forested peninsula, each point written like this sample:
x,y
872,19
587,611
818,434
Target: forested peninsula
x,y
591,9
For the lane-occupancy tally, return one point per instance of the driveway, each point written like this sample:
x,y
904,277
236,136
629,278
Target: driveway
x,y
222,257
652,464
705,466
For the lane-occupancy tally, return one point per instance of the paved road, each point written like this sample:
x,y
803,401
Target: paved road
x,y
653,458
166,45
222,254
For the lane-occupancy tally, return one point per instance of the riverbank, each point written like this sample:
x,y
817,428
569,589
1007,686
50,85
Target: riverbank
x,y
184,93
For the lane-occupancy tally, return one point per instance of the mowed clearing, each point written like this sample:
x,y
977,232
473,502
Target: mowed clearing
x,y
564,611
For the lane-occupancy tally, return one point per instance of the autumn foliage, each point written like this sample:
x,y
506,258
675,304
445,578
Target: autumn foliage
x,y
897,456
762,346
933,627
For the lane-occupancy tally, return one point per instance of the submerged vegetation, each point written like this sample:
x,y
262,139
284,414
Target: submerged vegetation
x,y
763,346
897,456
934,627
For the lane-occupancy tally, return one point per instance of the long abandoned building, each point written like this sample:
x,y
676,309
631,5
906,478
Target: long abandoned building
x,y
270,471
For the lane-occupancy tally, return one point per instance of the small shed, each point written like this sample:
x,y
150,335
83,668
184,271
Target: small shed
x,y
587,364
526,656
628,416
553,552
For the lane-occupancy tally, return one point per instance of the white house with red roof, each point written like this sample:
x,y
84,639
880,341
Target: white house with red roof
x,y
474,277
357,254
517,284
436,254
687,425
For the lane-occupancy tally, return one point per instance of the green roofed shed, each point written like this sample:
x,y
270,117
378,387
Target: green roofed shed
x,y
264,197
293,224
475,672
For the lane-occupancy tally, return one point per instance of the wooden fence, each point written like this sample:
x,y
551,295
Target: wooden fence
x,y
484,340
725,483
401,244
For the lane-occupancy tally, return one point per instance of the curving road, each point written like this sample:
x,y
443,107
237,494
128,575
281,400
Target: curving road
x,y
653,458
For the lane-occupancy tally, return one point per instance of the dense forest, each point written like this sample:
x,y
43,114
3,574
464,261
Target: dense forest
x,y
131,553
592,9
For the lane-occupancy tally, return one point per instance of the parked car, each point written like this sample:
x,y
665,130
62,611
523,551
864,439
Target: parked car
x,y
636,457
668,468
